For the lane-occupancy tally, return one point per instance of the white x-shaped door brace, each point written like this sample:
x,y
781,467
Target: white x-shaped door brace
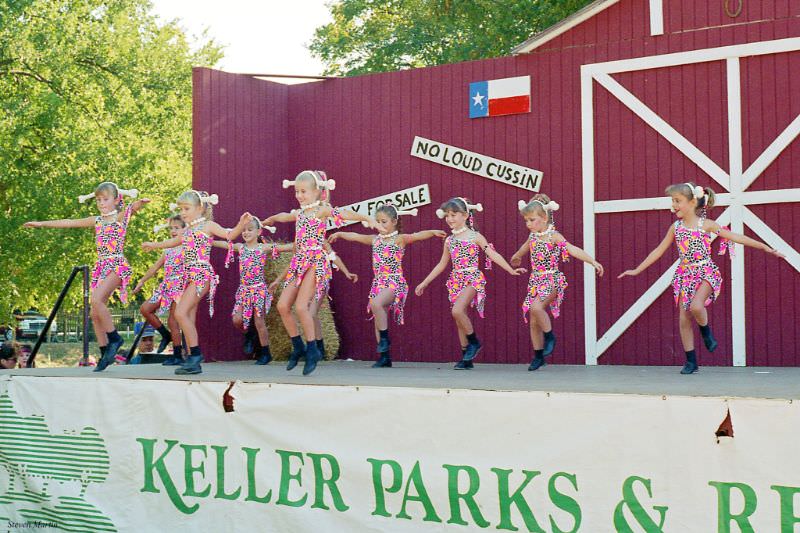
x,y
736,181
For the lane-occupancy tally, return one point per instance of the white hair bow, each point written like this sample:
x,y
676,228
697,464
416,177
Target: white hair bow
x,y
470,207
320,179
133,193
400,213
697,191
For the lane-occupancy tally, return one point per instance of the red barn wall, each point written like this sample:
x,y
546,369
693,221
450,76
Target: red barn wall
x,y
360,131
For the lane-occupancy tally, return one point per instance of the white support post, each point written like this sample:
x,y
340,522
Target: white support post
x,y
589,282
738,328
656,17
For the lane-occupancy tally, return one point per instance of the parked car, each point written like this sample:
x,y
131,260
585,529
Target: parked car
x,y
31,326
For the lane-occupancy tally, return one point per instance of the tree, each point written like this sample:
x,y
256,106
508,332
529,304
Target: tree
x,y
369,36
90,90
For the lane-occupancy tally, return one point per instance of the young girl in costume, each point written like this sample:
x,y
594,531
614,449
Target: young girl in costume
x,y
198,275
389,289
253,299
165,297
338,264
547,283
309,272
466,286
111,271
697,280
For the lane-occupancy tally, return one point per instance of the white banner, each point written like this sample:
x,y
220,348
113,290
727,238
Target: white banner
x,y
478,164
410,198
95,454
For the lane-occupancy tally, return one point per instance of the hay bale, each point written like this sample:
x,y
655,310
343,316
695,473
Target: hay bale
x,y
279,341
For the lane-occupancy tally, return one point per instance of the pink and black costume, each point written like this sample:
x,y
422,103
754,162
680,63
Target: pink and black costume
x,y
310,253
252,296
110,240
465,258
696,264
387,270
545,276
196,268
172,285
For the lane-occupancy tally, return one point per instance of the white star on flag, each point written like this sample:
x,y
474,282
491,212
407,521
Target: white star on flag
x,y
478,99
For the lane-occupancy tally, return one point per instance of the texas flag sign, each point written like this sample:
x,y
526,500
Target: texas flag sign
x,y
506,96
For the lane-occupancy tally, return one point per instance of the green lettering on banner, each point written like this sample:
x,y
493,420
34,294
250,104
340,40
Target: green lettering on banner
x,y
148,447
630,501
788,518
508,499
287,477
564,502
189,470
219,452
724,516
468,497
377,483
415,478
252,495
320,482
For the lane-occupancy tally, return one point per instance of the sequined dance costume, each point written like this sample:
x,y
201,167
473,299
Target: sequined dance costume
x,y
696,264
545,276
196,266
309,253
387,270
110,239
171,287
465,257
252,295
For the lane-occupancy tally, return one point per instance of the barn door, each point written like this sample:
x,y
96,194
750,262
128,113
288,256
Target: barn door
x,y
735,182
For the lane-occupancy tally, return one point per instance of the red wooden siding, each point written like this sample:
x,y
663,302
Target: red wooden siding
x,y
360,131
241,151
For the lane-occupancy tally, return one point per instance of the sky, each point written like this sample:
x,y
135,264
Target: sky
x,y
267,36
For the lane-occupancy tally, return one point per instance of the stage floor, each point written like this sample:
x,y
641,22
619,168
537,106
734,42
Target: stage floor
x,y
740,382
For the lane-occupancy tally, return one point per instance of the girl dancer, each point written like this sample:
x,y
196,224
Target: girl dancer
x,y
389,289
111,271
253,299
466,285
697,280
310,257
165,297
314,306
547,283
198,275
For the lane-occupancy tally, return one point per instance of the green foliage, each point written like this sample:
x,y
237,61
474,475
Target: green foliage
x,y
369,36
90,90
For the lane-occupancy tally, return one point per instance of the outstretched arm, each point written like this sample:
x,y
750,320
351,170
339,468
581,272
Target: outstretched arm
x,y
438,269
150,273
224,244
481,241
712,226
280,247
280,217
281,277
350,236
653,256
229,234
408,238
344,270
349,214
516,259
169,243
138,204
579,253
62,223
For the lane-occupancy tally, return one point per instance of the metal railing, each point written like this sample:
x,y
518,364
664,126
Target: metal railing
x,y
43,334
